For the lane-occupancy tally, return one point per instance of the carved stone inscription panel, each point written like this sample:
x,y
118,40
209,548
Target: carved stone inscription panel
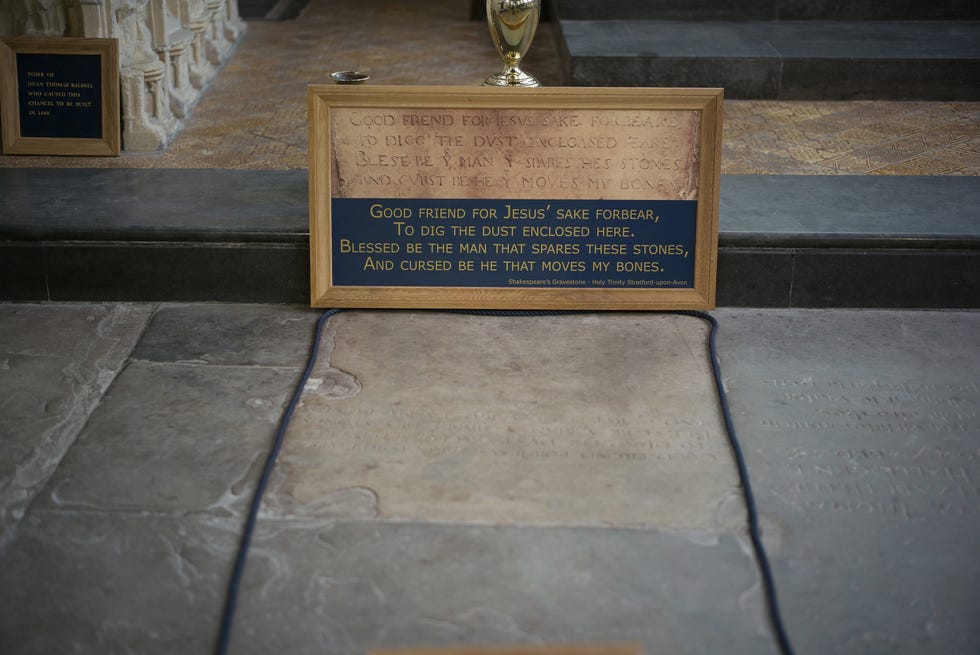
x,y
515,153
913,451
861,434
871,414
570,420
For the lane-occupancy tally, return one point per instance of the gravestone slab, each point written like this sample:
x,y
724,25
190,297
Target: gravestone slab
x,y
561,420
55,363
861,431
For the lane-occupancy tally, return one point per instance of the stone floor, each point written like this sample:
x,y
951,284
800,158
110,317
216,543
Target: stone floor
x,y
253,116
459,480
455,480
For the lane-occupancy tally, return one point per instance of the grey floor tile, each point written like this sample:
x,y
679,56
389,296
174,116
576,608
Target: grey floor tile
x,y
862,436
246,335
171,437
152,584
860,429
111,583
348,587
55,363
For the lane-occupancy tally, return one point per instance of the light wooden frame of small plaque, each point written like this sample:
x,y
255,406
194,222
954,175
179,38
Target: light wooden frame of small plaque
x,y
326,101
585,649
14,143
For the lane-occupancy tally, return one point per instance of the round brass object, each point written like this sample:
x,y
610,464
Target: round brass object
x,y
349,77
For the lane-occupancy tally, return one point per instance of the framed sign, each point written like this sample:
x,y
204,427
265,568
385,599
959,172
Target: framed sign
x,y
586,649
60,96
490,198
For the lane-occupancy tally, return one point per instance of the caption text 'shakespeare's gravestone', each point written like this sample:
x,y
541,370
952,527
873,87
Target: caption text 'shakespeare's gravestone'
x,y
503,198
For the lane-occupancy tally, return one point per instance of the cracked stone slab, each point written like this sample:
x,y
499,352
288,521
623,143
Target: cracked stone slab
x,y
234,335
863,440
174,437
189,422
590,419
97,582
55,363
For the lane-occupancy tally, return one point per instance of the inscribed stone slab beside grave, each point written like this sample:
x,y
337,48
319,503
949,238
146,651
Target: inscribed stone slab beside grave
x,y
861,433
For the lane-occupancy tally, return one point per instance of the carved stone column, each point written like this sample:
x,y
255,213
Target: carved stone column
x,y
93,19
148,123
201,68
234,25
183,94
218,45
170,42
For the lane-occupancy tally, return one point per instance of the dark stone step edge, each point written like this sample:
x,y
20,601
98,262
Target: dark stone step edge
x,y
774,60
764,10
279,273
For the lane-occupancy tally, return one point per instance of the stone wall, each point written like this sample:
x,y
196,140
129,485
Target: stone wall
x,y
168,51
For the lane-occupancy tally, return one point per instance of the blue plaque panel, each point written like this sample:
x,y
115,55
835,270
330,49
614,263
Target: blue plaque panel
x,y
513,243
60,95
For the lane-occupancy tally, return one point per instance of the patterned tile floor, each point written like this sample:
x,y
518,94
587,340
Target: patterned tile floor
x,y
253,116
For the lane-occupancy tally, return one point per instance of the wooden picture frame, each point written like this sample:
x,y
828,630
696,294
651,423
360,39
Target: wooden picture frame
x,y
420,197
60,96
577,649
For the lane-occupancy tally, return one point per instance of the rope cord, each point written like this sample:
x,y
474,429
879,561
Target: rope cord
x,y
231,596
768,583
755,533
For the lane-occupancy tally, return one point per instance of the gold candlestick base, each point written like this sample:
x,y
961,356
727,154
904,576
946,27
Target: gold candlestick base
x,y
511,77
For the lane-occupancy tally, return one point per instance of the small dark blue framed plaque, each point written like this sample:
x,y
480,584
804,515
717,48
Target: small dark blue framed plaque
x,y
60,96
514,198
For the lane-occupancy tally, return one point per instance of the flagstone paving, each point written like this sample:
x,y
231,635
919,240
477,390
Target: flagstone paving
x,y
453,479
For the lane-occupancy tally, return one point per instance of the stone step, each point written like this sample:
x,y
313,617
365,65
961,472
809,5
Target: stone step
x,y
811,60
242,236
765,10
256,10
